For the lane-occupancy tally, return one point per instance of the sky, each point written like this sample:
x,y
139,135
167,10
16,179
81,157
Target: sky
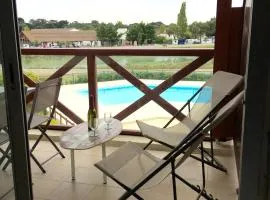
x,y
126,11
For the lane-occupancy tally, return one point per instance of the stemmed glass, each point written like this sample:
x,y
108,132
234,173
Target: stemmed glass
x,y
94,127
108,119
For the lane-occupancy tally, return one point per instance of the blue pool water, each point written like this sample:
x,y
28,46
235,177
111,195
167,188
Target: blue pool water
x,y
128,94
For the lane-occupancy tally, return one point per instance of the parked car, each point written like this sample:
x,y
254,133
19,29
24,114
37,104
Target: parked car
x,y
26,46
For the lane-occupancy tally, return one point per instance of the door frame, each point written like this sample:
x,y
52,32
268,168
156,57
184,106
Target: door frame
x,y
255,155
15,100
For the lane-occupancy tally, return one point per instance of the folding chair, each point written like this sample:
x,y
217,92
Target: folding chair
x,y
199,107
134,168
4,137
46,96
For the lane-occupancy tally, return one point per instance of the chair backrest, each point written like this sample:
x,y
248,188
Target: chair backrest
x,y
46,95
193,140
211,94
3,116
196,137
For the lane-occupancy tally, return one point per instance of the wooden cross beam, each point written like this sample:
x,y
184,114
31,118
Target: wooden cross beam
x,y
153,94
59,73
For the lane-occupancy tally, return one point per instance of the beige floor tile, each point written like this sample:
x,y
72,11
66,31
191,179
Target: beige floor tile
x,y
106,193
71,191
9,196
43,188
6,181
56,184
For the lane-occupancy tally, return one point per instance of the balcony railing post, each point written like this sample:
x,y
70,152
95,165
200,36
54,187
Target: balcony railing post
x,y
92,79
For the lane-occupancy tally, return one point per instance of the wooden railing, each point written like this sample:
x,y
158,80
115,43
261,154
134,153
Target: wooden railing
x,y
61,118
104,54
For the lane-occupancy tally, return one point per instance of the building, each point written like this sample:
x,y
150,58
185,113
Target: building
x,y
123,36
53,37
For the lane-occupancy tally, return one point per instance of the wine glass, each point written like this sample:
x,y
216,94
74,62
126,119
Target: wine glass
x,y
108,119
93,127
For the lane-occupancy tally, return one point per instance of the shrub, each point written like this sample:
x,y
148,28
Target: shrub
x,y
111,76
35,77
1,79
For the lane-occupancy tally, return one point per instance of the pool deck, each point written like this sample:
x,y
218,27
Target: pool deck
x,y
79,105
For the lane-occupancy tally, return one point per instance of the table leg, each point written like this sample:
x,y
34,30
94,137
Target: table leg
x,y
72,164
103,157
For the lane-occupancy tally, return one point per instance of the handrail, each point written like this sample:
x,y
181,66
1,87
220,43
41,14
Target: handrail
x,y
120,51
62,118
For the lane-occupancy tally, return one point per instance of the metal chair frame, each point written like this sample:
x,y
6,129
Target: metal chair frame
x,y
41,127
188,145
209,157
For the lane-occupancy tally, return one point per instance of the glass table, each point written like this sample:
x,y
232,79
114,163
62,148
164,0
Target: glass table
x,y
78,138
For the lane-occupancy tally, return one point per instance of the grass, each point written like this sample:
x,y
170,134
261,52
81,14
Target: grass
x,y
129,62
142,66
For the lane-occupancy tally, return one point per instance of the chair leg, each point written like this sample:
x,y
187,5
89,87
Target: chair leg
x,y
203,172
130,193
36,142
198,189
43,132
195,188
7,156
173,180
55,146
149,143
7,164
37,162
211,161
3,156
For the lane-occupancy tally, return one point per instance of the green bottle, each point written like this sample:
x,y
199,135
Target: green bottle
x,y
92,114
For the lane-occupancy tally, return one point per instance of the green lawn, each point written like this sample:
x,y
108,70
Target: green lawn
x,y
43,66
129,62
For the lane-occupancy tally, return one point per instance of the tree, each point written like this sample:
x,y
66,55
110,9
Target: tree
x,y
197,30
62,24
51,24
161,40
37,23
210,27
194,28
141,33
172,30
95,23
108,33
162,29
21,24
119,24
132,33
182,21
150,34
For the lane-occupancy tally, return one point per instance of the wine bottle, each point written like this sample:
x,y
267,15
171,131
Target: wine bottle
x,y
92,114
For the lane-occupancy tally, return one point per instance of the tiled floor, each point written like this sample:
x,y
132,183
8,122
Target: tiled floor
x,y
56,184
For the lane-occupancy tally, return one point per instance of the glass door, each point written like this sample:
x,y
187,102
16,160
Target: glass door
x,y
6,175
15,173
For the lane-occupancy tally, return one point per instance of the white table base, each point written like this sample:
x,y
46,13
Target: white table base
x,y
72,155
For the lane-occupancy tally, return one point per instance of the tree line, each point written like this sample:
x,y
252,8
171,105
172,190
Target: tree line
x,y
140,32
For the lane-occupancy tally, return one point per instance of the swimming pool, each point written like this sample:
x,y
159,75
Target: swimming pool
x,y
127,94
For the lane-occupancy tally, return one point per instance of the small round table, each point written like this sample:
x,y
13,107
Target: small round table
x,y
77,138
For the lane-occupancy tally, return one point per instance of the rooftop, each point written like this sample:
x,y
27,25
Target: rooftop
x,y
59,35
